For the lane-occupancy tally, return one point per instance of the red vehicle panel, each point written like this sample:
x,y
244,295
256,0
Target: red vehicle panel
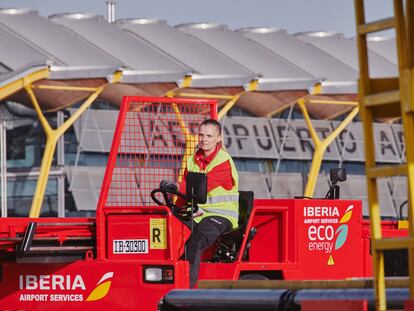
x,y
83,285
130,256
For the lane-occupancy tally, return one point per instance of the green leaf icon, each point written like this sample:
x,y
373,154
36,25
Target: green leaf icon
x,y
342,233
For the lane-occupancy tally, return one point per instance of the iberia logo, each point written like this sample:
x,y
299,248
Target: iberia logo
x,y
341,233
102,287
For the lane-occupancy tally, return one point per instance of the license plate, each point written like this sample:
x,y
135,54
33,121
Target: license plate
x,y
130,246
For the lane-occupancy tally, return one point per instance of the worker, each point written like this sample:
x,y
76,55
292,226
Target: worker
x,y
220,214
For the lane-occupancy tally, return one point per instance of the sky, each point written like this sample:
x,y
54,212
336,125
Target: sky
x,y
292,15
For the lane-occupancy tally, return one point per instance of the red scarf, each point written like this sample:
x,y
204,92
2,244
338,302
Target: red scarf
x,y
202,161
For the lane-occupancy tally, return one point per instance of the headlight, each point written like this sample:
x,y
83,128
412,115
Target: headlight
x,y
158,274
153,274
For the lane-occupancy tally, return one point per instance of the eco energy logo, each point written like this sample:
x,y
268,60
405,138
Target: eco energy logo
x,y
327,230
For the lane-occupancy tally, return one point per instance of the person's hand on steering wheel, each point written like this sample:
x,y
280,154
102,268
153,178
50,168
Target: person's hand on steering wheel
x,y
166,185
166,188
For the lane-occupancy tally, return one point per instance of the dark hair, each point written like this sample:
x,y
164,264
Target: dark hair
x,y
212,122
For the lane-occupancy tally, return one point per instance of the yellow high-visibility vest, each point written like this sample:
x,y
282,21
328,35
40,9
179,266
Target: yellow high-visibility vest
x,y
220,202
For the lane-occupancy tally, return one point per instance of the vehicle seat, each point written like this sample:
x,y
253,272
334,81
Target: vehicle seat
x,y
229,243
246,199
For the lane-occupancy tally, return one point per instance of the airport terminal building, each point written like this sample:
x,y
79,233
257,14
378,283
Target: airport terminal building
x,y
281,98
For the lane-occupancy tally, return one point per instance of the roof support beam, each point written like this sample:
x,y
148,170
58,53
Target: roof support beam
x,y
333,102
64,88
188,136
232,99
20,83
321,145
316,89
204,95
252,86
52,137
185,83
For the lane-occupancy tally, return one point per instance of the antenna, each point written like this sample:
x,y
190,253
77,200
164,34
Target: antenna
x,y
111,10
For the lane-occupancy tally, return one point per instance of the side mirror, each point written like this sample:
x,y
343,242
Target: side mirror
x,y
196,188
337,174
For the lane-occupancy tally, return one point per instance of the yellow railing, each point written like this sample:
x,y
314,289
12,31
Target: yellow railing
x,y
388,98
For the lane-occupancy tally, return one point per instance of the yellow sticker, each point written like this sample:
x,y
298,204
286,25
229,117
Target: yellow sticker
x,y
331,261
158,236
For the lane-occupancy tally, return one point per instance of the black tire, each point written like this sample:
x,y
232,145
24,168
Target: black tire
x,y
253,276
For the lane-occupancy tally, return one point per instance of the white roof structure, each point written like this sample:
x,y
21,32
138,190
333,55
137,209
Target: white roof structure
x,y
275,72
209,67
70,57
384,46
338,78
143,63
345,50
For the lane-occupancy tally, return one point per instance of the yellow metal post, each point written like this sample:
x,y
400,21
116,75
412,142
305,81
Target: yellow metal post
x,y
187,80
190,142
320,145
405,43
52,137
191,139
64,88
366,115
204,95
388,100
316,89
18,84
229,104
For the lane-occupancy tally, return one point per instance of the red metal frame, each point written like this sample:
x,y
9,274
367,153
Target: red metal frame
x,y
100,218
124,109
58,229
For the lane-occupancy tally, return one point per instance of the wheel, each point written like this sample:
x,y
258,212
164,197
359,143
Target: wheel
x,y
253,276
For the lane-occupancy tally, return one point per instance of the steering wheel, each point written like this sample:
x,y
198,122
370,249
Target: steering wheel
x,y
184,212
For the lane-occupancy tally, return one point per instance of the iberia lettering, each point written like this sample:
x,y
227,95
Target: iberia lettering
x,y
321,211
51,282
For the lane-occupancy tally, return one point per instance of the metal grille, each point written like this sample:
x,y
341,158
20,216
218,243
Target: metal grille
x,y
156,140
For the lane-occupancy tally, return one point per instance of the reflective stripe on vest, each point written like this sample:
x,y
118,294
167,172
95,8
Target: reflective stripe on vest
x,y
222,212
222,198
